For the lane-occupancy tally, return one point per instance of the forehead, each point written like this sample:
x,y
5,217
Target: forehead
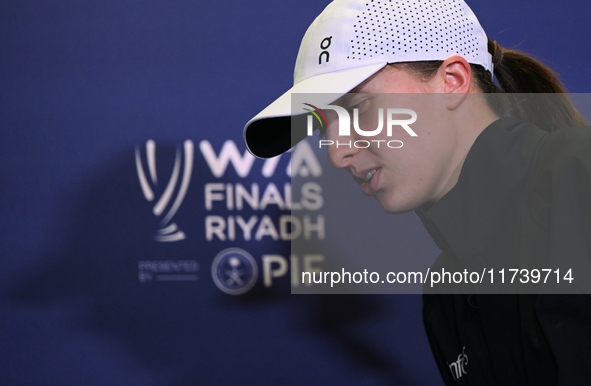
x,y
370,82
389,79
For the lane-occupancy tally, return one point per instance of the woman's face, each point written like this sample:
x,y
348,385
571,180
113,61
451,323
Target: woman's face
x,y
425,167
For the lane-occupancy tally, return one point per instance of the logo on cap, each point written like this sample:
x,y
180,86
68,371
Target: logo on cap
x,y
324,44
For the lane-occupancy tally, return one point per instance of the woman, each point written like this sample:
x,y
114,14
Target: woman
x,y
492,190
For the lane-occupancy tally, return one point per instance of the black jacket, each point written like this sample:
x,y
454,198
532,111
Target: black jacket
x,y
523,199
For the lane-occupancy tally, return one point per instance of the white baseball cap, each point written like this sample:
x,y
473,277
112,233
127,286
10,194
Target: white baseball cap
x,y
353,39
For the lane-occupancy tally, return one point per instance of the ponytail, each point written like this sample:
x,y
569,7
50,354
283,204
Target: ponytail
x,y
520,74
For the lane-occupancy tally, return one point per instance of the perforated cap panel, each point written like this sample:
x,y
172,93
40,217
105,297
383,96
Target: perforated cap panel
x,y
391,27
354,33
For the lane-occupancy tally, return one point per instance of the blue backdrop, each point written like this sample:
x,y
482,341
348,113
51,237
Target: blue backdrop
x,y
105,283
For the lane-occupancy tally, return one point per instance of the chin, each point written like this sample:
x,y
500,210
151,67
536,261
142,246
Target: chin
x,y
393,206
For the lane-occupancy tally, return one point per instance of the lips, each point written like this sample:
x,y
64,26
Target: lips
x,y
369,182
369,175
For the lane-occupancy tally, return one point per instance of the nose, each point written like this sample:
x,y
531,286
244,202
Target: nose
x,y
341,149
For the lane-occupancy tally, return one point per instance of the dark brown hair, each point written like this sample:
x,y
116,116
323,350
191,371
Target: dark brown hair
x,y
519,77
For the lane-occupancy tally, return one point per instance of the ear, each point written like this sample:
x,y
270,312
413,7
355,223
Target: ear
x,y
455,78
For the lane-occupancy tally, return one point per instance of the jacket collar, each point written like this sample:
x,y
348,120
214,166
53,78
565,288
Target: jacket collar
x,y
490,181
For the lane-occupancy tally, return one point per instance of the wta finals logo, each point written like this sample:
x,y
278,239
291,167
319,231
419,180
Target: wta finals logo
x,y
168,231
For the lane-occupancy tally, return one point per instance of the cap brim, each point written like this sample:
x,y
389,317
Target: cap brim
x,y
269,133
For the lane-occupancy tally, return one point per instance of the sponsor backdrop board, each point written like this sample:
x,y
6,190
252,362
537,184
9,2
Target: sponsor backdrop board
x,y
142,245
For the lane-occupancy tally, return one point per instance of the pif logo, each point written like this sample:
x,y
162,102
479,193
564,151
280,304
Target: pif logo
x,y
234,271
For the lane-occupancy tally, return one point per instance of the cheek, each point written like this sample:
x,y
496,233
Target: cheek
x,y
417,168
429,154
434,167
370,121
